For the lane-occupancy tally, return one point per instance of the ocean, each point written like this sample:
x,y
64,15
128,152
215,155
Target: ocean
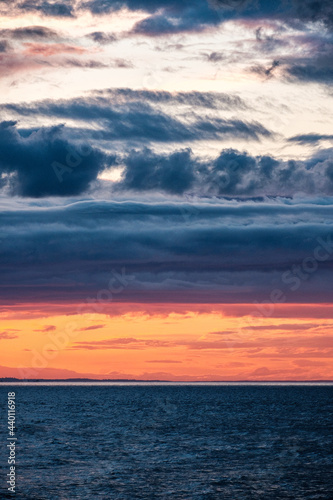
x,y
170,441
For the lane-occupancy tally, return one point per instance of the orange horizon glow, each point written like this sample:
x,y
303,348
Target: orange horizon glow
x,y
189,342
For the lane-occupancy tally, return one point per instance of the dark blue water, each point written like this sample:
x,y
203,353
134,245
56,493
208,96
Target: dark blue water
x,y
177,442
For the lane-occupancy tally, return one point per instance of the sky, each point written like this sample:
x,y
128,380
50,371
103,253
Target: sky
x,y
166,182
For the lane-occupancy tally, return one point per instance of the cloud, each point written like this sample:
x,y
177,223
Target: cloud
x,y
312,62
232,173
165,17
309,362
33,56
11,62
319,70
136,120
267,72
215,57
163,361
48,373
90,64
4,46
120,343
50,8
296,311
44,163
173,22
286,326
314,11
262,372
102,38
47,50
7,336
147,171
30,32
34,164
173,252
193,99
311,138
93,327
288,346
46,328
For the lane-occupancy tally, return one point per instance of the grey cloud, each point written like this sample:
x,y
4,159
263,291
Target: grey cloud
x,y
28,155
36,165
212,100
232,173
77,63
315,64
141,252
310,10
266,72
102,38
147,171
136,119
170,16
4,46
215,57
311,138
49,8
30,32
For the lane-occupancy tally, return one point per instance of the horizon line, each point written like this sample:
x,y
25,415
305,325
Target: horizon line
x,y
82,379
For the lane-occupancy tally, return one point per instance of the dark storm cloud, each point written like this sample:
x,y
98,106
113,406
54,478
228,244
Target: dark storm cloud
x,y
28,156
146,171
171,16
131,251
314,10
201,14
138,119
36,165
101,7
319,70
164,16
195,16
232,173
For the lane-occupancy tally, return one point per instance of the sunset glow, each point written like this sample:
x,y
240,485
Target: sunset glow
x,y
166,182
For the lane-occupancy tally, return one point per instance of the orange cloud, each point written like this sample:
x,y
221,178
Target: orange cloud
x,y
199,342
7,336
46,328
93,327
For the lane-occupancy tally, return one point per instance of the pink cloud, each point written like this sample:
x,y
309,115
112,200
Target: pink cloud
x,y
7,336
94,327
48,50
46,328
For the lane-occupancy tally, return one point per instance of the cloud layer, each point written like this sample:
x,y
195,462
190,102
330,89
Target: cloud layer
x,y
47,162
167,252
